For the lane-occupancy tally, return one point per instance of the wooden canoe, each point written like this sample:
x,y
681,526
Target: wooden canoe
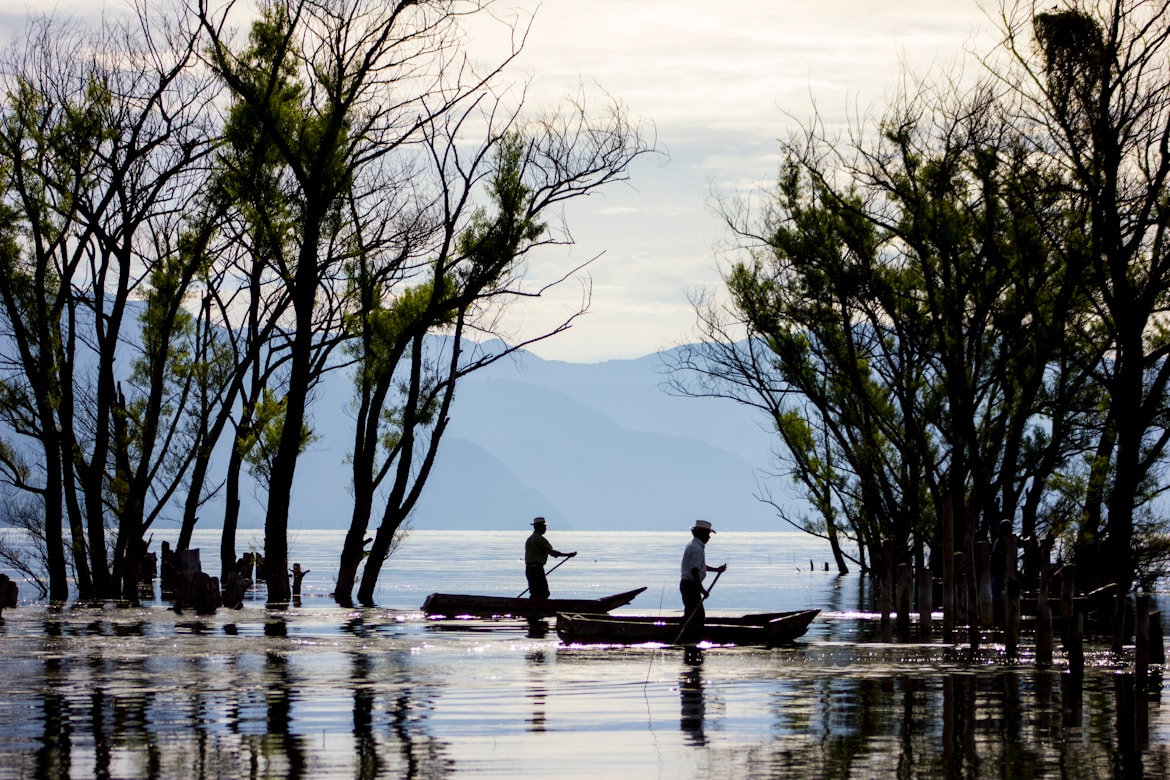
x,y
768,629
453,605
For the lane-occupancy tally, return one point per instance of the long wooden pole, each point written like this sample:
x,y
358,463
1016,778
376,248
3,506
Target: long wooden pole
x,y
687,622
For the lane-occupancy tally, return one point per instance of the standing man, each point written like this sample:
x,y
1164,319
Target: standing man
x,y
536,552
694,571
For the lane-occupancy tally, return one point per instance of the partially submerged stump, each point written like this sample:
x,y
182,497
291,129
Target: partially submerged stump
x,y
298,576
1157,648
233,589
8,592
925,601
903,590
195,590
246,566
148,568
168,569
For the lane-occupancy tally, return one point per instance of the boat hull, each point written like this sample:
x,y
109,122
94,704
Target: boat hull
x,y
453,605
766,629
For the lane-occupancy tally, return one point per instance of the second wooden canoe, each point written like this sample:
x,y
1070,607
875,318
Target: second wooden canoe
x,y
453,605
767,629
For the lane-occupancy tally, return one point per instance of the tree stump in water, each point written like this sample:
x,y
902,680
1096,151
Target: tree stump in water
x,y
903,591
8,592
246,566
148,568
925,601
233,589
1157,648
298,576
168,569
195,589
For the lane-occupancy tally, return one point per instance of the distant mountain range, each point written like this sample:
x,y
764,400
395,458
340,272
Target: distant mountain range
x,y
590,446
587,445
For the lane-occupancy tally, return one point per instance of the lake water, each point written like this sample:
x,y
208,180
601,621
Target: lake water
x,y
317,691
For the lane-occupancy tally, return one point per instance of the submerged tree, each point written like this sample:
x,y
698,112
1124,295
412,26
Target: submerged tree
x,y
975,304
407,377
329,91
899,328
365,118
100,142
1094,76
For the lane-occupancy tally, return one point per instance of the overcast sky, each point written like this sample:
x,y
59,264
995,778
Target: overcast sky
x,y
720,82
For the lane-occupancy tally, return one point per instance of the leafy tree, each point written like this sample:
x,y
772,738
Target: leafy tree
x,y
901,319
1092,76
354,113
308,85
407,379
102,131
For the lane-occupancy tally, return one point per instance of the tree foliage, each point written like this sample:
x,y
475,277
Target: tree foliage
x,y
196,225
965,308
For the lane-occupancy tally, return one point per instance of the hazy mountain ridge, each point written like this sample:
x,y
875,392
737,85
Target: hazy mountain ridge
x,y
587,445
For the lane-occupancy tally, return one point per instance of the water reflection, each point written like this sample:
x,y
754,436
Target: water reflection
x,y
692,706
369,761
968,723
537,689
321,691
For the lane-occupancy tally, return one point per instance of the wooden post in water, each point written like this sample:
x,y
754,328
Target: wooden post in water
x,y
1075,644
1141,640
960,587
925,601
1117,617
904,589
168,569
1011,614
1043,611
1011,596
948,573
887,579
1068,590
984,604
1157,646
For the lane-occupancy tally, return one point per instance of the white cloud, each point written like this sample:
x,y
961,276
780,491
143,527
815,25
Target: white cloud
x,y
721,83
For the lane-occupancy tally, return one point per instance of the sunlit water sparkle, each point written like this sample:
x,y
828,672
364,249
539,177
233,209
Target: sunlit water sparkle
x,y
318,690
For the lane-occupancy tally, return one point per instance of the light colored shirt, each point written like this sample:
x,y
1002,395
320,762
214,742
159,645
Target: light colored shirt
x,y
537,549
694,557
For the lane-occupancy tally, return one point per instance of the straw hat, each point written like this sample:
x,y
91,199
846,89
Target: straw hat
x,y
703,525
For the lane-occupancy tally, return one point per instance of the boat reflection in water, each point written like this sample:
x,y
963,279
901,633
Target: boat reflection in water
x,y
321,691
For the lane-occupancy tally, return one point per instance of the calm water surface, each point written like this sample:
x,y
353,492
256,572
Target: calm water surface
x,y
319,691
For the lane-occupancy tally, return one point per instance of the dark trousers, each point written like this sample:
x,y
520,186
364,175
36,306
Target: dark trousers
x,y
693,612
537,582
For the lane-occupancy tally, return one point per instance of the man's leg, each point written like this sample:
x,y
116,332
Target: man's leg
x,y
537,582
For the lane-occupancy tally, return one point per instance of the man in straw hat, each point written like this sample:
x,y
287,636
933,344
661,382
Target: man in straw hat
x,y
536,552
694,571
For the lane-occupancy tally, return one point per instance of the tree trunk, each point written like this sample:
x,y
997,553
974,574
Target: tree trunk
x,y
231,515
379,552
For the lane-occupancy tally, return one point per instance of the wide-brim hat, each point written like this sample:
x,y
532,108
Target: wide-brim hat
x,y
538,521
703,525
